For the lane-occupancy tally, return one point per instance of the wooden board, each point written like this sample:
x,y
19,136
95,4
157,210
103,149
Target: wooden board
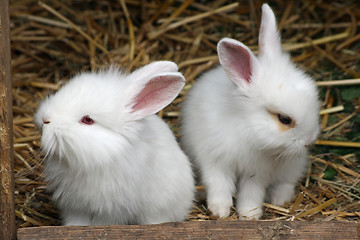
x,y
7,213
203,230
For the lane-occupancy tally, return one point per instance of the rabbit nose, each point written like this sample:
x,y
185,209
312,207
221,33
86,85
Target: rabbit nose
x,y
45,121
310,140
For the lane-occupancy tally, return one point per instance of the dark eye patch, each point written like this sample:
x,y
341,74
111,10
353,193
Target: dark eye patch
x,y
285,119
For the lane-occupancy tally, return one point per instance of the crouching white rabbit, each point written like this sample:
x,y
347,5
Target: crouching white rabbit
x,y
247,124
109,158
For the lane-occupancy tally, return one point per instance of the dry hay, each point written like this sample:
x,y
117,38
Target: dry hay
x,y
55,39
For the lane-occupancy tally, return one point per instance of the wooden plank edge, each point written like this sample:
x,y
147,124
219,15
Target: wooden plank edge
x,y
7,203
202,230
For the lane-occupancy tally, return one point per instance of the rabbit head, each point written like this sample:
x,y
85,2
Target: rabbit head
x,y
85,122
277,100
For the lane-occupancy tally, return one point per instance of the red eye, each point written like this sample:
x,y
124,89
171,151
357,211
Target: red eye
x,y
87,120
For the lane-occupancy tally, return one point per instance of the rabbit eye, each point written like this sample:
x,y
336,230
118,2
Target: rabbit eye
x,y
87,120
285,120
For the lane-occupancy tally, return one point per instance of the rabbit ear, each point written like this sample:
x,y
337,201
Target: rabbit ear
x,y
269,38
154,68
237,60
152,92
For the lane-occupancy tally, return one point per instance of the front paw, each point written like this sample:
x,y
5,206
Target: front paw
x,y
76,220
250,213
281,194
220,209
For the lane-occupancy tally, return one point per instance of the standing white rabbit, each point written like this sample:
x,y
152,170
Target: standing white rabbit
x,y
248,122
109,158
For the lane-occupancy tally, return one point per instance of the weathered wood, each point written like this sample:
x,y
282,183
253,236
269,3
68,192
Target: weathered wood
x,y
7,213
203,230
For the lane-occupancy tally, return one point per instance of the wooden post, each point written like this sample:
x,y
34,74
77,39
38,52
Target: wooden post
x,y
7,205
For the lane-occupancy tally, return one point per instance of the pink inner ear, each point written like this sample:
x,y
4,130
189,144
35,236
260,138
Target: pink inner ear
x,y
157,93
236,61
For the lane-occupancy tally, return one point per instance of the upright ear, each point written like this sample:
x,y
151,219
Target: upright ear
x,y
237,60
153,69
153,91
269,38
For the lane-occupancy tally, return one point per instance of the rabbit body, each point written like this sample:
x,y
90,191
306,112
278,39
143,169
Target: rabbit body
x,y
247,123
110,160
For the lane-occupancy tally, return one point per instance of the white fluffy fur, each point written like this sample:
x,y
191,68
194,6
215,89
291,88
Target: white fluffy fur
x,y
233,137
127,168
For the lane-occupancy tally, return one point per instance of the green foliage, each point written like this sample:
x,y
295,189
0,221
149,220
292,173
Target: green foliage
x,y
341,151
329,173
350,93
348,107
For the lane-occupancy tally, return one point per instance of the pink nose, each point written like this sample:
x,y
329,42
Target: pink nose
x,y
311,139
46,121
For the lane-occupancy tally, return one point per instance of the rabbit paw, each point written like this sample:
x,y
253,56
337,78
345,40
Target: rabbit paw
x,y
220,208
281,194
76,221
250,213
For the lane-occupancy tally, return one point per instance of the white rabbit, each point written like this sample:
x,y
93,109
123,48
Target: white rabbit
x,y
247,124
110,159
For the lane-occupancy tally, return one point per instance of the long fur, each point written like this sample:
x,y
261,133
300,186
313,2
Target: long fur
x,y
127,168
230,132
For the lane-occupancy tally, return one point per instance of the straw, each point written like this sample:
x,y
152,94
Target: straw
x,y
54,40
